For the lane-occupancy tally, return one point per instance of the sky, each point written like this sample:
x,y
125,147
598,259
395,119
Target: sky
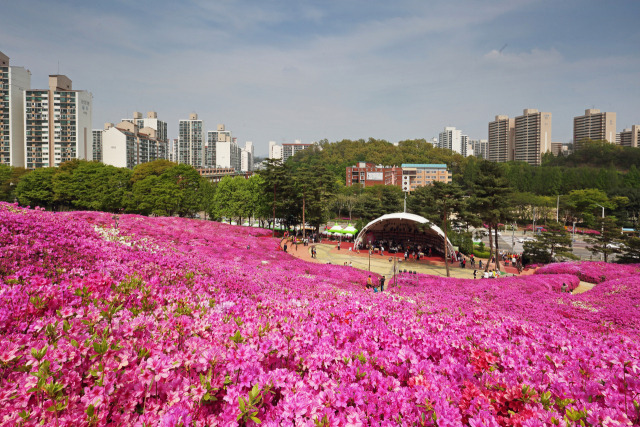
x,y
285,70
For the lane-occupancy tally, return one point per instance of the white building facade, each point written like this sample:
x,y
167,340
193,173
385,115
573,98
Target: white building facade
x,y
451,138
126,146
246,163
14,81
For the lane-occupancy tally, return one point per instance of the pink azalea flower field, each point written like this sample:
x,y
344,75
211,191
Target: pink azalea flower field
x,y
176,322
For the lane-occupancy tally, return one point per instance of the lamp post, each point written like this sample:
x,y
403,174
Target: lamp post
x,y
601,228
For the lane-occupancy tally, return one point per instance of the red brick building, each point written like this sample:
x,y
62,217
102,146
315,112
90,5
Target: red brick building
x,y
368,174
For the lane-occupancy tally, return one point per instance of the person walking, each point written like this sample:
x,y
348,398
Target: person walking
x,y
382,283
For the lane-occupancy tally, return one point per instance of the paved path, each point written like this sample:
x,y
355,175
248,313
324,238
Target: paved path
x,y
328,253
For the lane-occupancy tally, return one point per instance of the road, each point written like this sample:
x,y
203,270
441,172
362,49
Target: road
x,y
508,241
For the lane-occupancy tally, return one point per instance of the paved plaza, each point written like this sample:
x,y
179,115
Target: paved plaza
x,y
328,253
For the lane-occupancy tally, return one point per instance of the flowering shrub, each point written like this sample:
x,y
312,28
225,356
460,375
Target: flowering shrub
x,y
592,272
167,321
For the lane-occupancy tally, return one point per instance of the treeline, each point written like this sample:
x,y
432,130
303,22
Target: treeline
x,y
599,165
607,167
600,154
156,188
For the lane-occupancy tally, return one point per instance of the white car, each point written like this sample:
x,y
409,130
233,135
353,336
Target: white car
x,y
525,239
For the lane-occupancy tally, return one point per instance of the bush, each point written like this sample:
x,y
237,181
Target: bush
x,y
480,254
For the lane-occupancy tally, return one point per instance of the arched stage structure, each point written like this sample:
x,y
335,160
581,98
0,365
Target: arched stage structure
x,y
403,229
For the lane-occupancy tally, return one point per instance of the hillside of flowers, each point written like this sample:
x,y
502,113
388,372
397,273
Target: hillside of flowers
x,y
176,322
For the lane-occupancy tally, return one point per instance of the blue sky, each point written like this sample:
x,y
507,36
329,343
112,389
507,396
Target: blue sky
x,y
285,70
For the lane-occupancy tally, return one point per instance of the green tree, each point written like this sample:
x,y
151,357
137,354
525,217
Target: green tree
x,y
438,203
490,202
9,179
157,168
36,188
552,244
608,241
630,252
186,180
277,181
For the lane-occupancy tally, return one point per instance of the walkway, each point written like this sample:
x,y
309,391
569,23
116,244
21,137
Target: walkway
x,y
380,264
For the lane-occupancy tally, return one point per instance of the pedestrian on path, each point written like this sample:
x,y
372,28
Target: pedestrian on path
x,y
382,284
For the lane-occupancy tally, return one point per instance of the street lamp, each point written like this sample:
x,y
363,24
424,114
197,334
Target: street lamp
x,y
602,228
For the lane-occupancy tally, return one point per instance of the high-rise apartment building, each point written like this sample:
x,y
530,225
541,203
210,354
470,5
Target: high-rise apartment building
x,y
500,145
126,145
532,136
173,150
480,148
57,124
284,151
289,150
246,164
594,125
191,141
630,137
275,150
451,138
556,148
97,143
228,154
151,121
13,83
210,148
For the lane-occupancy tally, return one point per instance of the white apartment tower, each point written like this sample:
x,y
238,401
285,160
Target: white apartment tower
x,y
151,121
126,145
275,150
228,154
532,136
191,141
451,138
57,124
246,164
480,148
594,125
213,137
500,145
14,81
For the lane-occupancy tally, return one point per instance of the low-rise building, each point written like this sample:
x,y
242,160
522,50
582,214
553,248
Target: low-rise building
x,y
369,174
419,175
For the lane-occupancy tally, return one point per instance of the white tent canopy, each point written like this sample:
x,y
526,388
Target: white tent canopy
x,y
350,229
336,228
402,225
